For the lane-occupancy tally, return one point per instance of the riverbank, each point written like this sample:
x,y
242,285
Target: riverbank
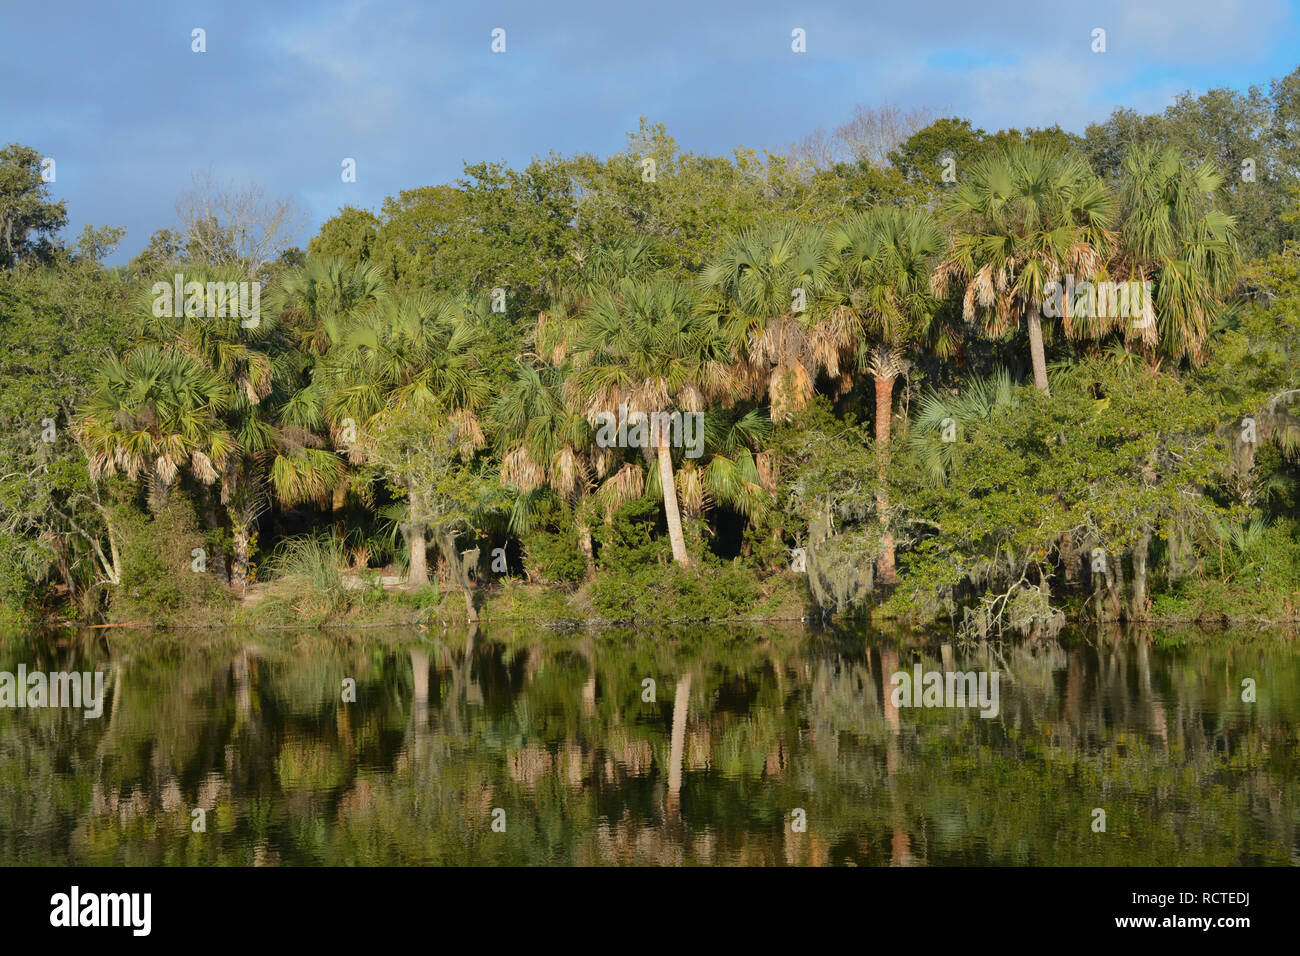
x,y
675,599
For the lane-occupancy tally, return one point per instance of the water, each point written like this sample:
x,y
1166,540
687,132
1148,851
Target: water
x,y
555,737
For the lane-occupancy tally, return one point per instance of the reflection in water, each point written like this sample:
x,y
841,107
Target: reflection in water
x,y
554,730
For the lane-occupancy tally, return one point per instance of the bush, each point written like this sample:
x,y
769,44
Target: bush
x,y
551,546
159,585
627,543
710,590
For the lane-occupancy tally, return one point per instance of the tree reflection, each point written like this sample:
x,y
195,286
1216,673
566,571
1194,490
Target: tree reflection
x,y
553,730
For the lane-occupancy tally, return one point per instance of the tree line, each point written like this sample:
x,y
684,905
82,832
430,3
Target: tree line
x,y
910,384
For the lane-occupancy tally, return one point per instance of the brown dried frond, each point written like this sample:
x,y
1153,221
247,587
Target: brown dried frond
x,y
1005,317
982,284
946,277
568,476
826,343
201,465
1084,260
627,484
518,470
689,399
765,463
165,468
789,390
469,434
690,490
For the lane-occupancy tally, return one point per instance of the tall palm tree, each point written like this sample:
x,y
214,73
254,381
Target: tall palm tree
x,y
544,437
413,352
1024,217
644,349
886,257
771,291
1174,234
317,303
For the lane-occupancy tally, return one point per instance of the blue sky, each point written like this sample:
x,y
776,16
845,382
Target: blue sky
x,y
412,91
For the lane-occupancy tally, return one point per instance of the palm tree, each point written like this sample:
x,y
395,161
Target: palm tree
x,y
1024,218
413,352
885,260
771,291
886,257
644,350
273,422
545,439
735,472
317,303
153,414
1172,235
597,272
544,443
942,421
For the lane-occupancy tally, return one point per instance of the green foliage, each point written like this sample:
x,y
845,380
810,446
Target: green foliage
x,y
159,585
384,390
1249,135
55,326
308,575
711,591
28,219
550,545
627,543
351,235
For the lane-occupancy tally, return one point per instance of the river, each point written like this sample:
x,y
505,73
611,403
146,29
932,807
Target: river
x,y
771,746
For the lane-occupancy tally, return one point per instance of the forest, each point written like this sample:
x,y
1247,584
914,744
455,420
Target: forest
x,y
906,369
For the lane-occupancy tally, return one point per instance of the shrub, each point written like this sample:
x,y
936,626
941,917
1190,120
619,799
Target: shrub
x,y
551,546
158,584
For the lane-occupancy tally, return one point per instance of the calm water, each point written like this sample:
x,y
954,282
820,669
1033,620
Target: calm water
x,y
745,729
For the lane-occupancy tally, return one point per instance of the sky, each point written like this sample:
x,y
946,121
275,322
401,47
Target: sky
x,y
411,91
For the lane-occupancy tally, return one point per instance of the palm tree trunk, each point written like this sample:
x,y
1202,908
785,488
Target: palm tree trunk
x,y
677,745
239,566
884,413
585,546
1036,353
157,492
670,504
